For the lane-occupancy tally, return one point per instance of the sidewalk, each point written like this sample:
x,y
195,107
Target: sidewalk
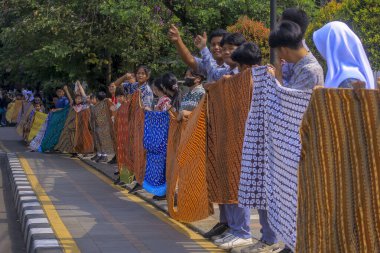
x,y
201,226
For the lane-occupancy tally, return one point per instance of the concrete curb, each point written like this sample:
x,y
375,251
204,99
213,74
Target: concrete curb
x,y
38,234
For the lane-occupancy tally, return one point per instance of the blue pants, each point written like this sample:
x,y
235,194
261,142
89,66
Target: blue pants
x,y
267,234
238,219
222,216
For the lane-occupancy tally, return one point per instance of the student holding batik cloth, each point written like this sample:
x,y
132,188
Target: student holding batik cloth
x,y
156,134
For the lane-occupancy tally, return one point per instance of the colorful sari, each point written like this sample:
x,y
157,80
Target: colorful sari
x,y
13,111
25,112
35,144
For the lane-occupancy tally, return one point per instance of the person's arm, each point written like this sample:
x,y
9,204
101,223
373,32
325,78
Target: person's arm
x,y
81,90
120,80
68,94
182,50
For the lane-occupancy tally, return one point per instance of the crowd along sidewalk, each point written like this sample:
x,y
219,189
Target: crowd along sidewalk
x,y
200,227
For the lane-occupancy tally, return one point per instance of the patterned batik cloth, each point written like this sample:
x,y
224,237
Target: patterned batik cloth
x,y
13,111
54,129
156,129
135,154
67,138
186,167
339,173
35,144
271,152
38,120
84,143
25,112
28,125
228,105
102,128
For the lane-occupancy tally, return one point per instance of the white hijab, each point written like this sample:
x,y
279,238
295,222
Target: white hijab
x,y
344,54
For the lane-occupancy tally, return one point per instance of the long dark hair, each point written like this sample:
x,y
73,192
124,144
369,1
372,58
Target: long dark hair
x,y
169,83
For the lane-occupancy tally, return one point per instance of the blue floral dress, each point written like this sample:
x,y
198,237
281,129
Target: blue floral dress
x,y
156,128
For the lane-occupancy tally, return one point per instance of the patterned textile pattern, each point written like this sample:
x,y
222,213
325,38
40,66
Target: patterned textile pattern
x,y
156,129
35,144
228,106
121,134
271,152
186,167
67,138
339,173
13,111
54,129
134,146
28,124
38,120
102,128
84,143
27,108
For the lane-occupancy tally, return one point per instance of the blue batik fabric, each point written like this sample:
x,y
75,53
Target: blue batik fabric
x,y
271,153
156,128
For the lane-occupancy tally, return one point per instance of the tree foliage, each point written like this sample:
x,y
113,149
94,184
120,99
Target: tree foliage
x,y
47,43
363,16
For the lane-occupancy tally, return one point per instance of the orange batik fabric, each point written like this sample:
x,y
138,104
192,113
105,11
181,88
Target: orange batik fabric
x,y
135,153
186,167
339,173
121,130
228,105
84,143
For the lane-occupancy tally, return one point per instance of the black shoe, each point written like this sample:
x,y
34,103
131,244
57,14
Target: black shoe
x,y
74,155
102,159
116,173
94,158
113,161
136,188
218,229
117,181
159,198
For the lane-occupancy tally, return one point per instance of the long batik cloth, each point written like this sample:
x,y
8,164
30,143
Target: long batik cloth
x,y
38,120
102,128
28,125
54,129
35,144
271,153
339,173
84,143
135,153
228,106
25,112
156,127
121,135
67,138
13,111
186,167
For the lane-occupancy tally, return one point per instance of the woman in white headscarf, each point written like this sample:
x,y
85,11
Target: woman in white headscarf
x,y
346,59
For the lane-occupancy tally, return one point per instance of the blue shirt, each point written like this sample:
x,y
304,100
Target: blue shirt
x,y
62,102
214,72
146,92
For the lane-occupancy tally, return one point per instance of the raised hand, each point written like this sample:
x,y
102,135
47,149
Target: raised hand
x,y
173,34
201,41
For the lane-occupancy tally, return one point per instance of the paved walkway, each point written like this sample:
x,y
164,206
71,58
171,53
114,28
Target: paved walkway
x,y
100,217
